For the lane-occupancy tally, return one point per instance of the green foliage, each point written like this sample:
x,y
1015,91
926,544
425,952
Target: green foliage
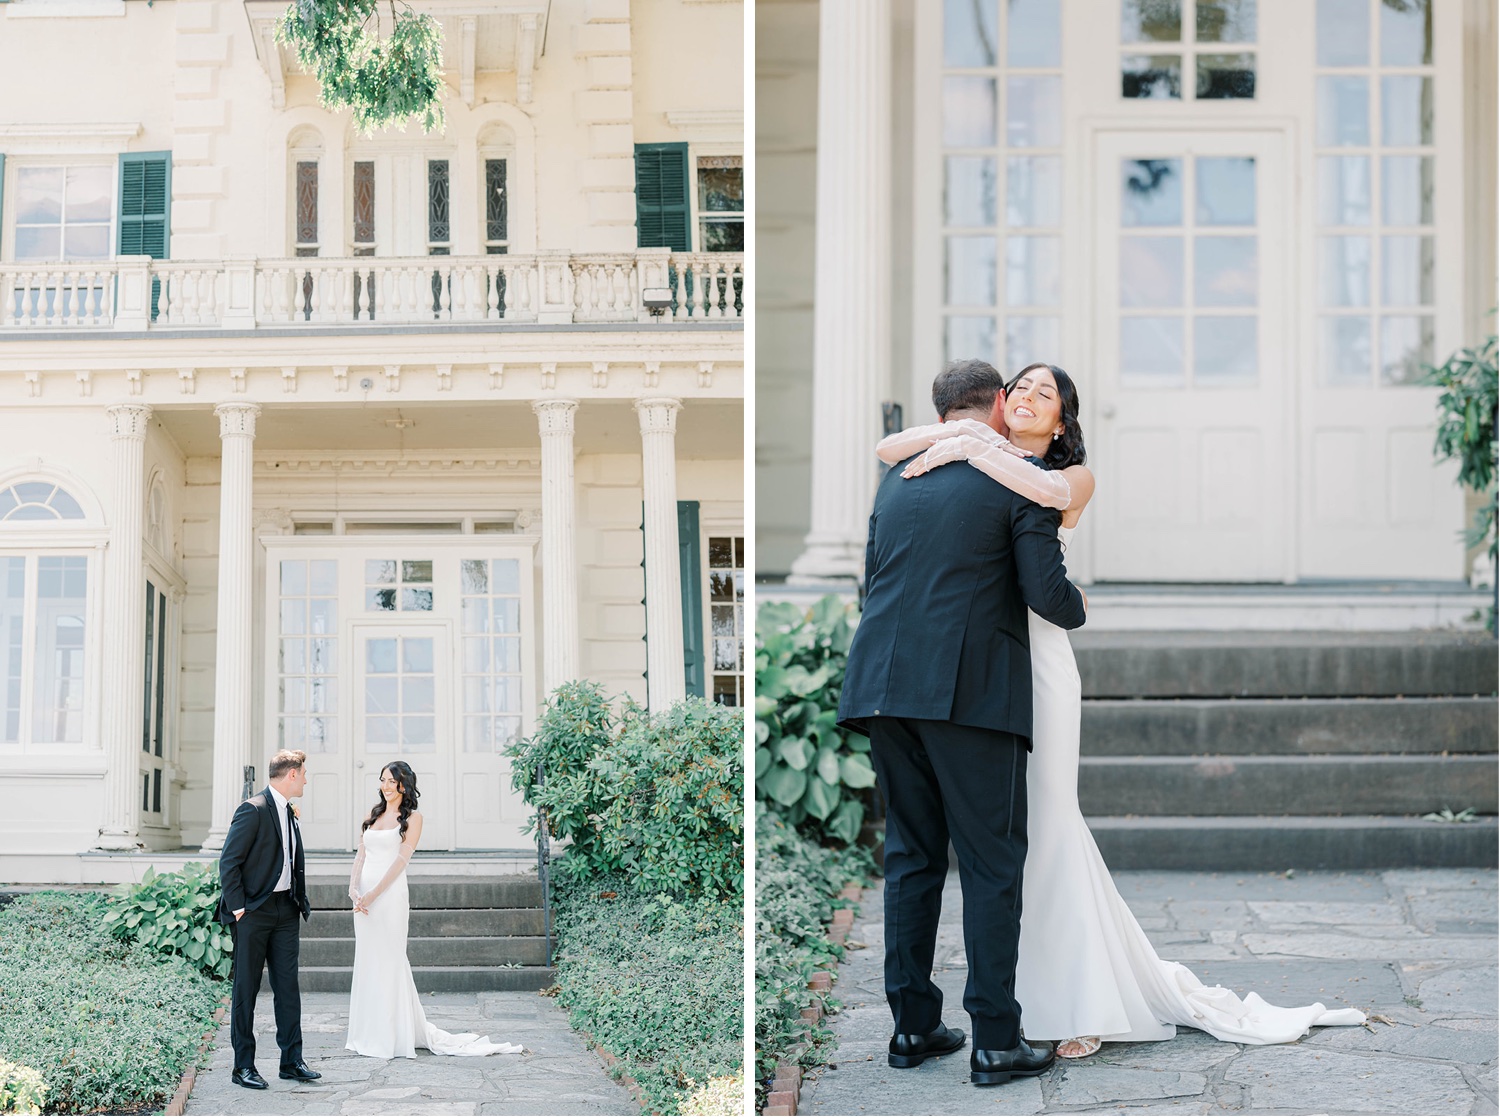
x,y
177,914
21,1089
796,885
657,980
660,797
1447,815
108,1024
815,774
383,80
1466,427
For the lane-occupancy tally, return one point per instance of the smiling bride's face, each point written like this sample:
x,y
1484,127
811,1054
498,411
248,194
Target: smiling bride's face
x,y
1033,406
390,787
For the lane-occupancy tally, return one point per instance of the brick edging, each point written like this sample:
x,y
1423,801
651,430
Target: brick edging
x,y
610,1061
786,1085
178,1104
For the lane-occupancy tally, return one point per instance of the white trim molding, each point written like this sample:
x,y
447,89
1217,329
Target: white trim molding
x,y
64,139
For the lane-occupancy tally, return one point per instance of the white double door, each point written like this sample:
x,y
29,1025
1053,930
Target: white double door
x,y
403,652
1194,375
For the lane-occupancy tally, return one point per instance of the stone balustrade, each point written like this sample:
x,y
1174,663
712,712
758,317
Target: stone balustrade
x,y
558,288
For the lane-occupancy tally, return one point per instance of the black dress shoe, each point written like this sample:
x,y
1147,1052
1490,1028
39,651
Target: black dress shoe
x,y
910,1050
995,1068
249,1078
300,1072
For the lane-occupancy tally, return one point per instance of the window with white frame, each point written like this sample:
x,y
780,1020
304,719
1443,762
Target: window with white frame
x,y
63,212
1376,179
721,203
1188,50
1002,139
726,611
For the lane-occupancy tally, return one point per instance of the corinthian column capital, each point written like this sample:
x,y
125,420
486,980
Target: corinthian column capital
x,y
237,420
555,416
658,415
129,420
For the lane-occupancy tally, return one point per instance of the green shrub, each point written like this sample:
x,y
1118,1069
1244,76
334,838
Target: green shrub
x,y
177,914
660,797
108,1024
1466,429
796,885
21,1089
813,773
657,980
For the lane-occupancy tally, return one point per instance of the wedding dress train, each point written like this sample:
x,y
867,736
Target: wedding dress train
x,y
1086,968
386,1020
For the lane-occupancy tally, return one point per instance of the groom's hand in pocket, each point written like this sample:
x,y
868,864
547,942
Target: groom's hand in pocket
x,y
239,915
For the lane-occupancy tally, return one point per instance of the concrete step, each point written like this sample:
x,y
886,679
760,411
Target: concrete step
x,y
1201,844
445,892
434,922
452,951
1287,785
436,979
1285,664
1270,726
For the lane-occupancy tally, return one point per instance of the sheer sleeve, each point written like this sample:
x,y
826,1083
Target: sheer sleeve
x,y
1046,487
359,863
898,447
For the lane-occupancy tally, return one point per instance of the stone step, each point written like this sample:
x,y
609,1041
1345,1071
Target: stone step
x,y
1200,844
452,951
1286,785
434,922
446,892
1285,664
436,979
1270,726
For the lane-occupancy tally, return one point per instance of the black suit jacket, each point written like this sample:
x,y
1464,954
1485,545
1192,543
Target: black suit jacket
x,y
953,562
250,862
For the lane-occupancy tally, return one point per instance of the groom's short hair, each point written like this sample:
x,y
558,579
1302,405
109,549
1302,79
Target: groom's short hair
x,y
967,385
284,761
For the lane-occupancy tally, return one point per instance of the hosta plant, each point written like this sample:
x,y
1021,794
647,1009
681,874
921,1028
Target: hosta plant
x,y
812,773
176,913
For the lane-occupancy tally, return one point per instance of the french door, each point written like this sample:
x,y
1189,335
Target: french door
x,y
407,649
1194,417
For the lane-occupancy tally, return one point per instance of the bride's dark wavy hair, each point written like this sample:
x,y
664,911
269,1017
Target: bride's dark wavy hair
x,y
406,780
1067,449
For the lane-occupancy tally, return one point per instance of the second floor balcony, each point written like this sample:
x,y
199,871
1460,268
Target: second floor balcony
x,y
137,293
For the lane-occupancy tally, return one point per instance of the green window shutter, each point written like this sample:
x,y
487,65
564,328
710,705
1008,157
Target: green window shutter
x,y
145,204
662,207
691,557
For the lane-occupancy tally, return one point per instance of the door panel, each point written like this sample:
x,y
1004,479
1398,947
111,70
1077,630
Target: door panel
x,y
1193,414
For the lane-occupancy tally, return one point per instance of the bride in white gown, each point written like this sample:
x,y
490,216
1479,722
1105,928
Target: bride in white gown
x,y
385,1014
1086,971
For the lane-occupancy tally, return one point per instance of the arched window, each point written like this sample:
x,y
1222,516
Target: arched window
x,y
38,500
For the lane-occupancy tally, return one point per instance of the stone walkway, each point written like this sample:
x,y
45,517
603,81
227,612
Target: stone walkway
x,y
1418,947
557,1075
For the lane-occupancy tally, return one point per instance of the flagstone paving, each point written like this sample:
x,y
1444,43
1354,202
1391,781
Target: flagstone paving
x,y
556,1075
1417,947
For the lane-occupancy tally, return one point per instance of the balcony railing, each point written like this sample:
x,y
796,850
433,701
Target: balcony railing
x,y
138,293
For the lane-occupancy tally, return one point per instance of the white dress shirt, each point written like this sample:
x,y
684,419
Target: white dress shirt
x,y
284,882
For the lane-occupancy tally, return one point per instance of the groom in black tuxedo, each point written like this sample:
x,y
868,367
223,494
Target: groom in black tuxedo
x,y
264,879
939,679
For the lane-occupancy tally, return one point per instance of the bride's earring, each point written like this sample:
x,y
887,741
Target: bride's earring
x,y
1056,436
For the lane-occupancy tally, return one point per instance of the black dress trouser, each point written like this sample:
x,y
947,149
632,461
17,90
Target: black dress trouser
x,y
943,781
267,938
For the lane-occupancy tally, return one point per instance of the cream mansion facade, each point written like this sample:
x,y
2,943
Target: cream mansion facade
x,y
360,445
1244,226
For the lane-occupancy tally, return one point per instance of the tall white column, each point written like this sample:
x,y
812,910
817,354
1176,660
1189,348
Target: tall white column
x,y
559,564
665,678
851,280
124,628
232,745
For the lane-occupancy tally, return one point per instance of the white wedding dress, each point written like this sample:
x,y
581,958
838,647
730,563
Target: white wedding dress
x,y
1085,966
386,1020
